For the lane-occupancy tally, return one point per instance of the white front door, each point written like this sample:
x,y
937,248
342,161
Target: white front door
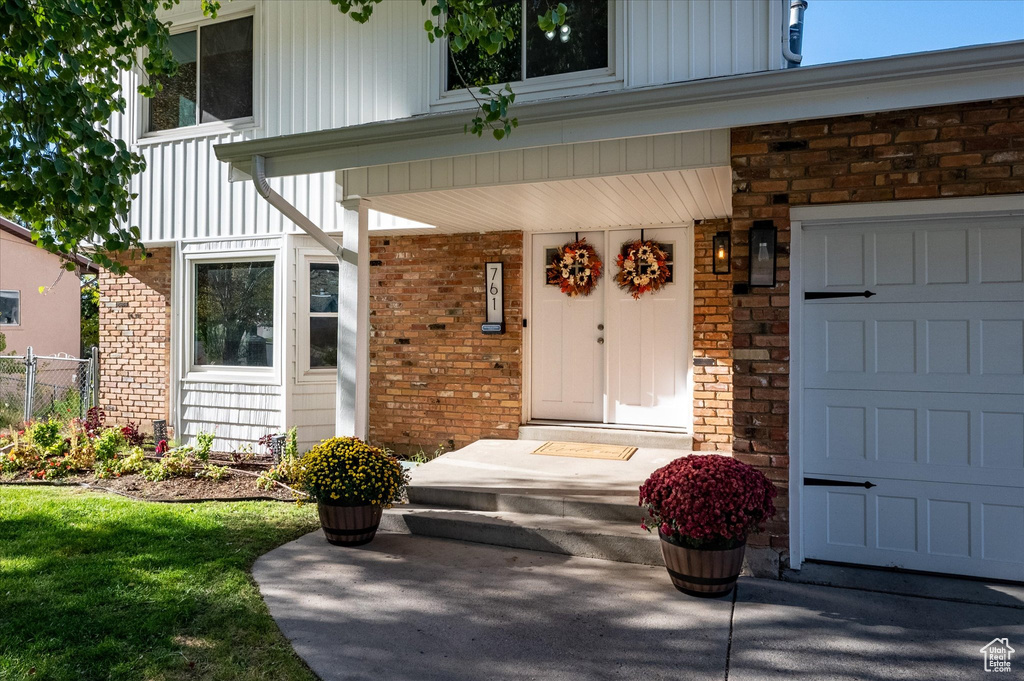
x,y
917,390
649,339
607,358
566,340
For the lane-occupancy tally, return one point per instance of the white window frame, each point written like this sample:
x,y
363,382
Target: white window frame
x,y
17,293
227,374
308,374
531,89
238,9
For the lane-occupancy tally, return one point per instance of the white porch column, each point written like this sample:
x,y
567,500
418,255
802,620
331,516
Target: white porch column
x,y
353,397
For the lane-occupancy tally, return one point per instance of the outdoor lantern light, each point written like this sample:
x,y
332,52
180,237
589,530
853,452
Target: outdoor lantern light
x,y
563,34
159,430
722,263
762,253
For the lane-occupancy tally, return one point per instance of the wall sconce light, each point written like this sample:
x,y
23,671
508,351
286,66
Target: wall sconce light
x,y
722,261
762,253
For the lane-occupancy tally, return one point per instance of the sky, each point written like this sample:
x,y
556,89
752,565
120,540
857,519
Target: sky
x,y
841,30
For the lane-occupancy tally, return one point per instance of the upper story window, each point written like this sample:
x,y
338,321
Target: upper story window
x,y
10,308
581,44
214,80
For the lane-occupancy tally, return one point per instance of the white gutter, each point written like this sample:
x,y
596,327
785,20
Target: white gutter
x,y
263,188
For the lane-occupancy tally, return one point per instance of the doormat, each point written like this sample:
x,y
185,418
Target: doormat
x,y
584,450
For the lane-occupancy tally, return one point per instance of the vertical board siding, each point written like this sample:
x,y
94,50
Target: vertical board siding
x,y
675,40
317,69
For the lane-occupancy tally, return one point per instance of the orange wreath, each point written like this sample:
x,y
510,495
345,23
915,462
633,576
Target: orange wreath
x,y
575,268
643,267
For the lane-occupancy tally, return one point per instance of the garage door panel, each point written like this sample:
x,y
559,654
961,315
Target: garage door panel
x,y
939,437
952,259
976,347
919,526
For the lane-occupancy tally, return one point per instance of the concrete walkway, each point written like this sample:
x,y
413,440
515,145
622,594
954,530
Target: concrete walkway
x,y
419,609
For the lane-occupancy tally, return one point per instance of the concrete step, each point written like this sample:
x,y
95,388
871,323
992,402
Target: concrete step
x,y
615,435
614,506
620,541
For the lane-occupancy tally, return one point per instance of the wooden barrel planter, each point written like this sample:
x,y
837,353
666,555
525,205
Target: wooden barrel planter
x,y
349,525
702,572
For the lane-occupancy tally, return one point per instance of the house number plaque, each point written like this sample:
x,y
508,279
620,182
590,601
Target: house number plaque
x,y
495,298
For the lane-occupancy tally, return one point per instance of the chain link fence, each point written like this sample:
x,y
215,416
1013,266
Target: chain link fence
x,y
36,387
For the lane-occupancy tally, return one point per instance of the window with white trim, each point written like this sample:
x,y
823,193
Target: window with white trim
x,y
322,307
10,308
233,314
582,43
214,81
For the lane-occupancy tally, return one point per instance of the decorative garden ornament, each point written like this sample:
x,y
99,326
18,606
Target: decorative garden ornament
x,y
575,268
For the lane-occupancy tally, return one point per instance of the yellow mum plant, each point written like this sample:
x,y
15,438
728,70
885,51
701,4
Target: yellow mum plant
x,y
347,471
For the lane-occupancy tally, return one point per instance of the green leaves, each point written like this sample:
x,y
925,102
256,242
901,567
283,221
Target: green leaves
x,y
62,174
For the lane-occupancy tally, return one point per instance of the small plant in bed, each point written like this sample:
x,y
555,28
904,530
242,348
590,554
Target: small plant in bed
x,y
352,482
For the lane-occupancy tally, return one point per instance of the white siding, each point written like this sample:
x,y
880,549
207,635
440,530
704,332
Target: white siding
x,y
237,413
676,40
310,400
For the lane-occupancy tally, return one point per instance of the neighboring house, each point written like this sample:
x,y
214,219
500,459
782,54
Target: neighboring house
x,y
901,176
50,321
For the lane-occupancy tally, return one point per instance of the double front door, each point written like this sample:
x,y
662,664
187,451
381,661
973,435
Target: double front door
x,y
607,357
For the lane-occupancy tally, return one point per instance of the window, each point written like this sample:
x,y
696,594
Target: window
x,y
581,44
234,314
214,81
323,315
10,308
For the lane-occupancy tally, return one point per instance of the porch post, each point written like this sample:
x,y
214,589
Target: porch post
x,y
353,392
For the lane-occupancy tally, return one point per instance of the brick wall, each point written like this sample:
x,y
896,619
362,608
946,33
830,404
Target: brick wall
x,y
434,378
959,150
135,327
712,344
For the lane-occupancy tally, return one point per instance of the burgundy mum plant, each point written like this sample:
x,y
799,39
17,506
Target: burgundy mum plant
x,y
707,501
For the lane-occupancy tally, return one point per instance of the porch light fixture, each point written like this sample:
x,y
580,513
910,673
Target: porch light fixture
x,y
763,236
722,261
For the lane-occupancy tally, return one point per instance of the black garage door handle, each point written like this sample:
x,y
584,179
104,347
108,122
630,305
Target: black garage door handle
x,y
819,295
825,482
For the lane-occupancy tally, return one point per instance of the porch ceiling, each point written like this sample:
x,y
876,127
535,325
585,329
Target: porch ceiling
x,y
642,200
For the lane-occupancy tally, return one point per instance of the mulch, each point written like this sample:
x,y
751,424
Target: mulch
x,y
238,486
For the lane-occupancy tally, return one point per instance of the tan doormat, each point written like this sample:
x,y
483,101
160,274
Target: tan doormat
x,y
584,450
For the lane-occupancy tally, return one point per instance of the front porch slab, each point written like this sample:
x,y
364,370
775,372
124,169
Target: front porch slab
x,y
507,466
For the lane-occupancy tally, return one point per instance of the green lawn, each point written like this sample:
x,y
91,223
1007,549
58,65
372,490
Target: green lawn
x,y
99,587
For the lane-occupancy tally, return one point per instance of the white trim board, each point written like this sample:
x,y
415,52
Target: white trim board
x,y
807,216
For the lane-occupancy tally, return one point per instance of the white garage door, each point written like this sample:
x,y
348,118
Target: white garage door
x,y
918,391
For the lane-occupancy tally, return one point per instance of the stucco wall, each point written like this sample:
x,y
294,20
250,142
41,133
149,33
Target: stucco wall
x,y
50,321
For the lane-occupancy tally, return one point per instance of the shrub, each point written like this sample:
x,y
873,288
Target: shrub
x,y
216,473
287,470
707,501
346,470
204,443
131,461
109,443
174,464
46,436
132,435
94,419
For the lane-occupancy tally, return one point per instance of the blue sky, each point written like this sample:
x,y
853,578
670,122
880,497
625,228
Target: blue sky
x,y
841,30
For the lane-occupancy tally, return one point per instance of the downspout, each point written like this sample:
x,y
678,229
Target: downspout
x,y
793,35
259,180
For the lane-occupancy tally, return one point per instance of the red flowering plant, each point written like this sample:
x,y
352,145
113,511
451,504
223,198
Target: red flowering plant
x,y
707,501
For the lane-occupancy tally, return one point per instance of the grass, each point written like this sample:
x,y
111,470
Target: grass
x,y
99,587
